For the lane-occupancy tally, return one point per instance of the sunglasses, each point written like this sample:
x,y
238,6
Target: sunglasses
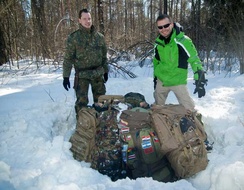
x,y
164,26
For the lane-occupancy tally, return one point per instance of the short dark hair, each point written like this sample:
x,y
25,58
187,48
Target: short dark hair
x,y
83,11
163,16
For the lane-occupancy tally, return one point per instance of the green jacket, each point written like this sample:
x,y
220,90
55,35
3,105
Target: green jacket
x,y
87,52
171,58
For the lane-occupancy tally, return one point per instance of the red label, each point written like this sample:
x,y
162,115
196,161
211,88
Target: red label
x,y
148,150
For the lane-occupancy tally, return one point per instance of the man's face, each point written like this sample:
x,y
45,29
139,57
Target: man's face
x,y
86,20
165,27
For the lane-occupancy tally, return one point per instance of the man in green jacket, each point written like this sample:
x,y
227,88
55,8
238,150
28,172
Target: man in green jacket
x,y
172,53
86,51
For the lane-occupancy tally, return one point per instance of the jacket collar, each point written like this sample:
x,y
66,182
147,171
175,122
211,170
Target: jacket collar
x,y
176,33
85,30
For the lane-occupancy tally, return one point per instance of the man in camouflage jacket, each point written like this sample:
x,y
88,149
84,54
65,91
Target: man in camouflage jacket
x,y
86,51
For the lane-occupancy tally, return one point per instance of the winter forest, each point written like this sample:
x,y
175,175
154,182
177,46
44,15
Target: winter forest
x,y
37,29
37,115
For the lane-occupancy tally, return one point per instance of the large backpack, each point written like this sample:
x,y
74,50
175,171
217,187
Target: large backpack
x,y
106,155
141,151
182,138
83,139
96,138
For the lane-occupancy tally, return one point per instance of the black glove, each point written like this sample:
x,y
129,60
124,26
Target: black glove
x,y
155,82
66,83
105,76
199,89
200,84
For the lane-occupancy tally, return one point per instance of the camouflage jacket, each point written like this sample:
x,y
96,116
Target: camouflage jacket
x,y
87,52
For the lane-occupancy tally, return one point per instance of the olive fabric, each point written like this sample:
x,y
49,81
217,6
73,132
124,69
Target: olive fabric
x,y
135,99
97,88
87,52
141,151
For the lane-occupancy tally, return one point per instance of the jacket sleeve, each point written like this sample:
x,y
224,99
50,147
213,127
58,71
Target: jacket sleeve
x,y
104,58
156,57
69,57
193,59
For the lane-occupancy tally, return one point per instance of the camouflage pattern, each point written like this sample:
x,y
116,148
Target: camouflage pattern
x,y
86,51
98,88
106,156
92,73
135,99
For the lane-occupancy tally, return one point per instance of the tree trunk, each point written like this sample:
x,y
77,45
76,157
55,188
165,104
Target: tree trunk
x,y
165,7
40,28
100,16
3,57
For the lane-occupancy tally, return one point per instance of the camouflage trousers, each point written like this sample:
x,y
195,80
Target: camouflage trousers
x,y
97,87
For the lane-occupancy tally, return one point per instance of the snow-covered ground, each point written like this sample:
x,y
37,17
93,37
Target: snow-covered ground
x,y
37,118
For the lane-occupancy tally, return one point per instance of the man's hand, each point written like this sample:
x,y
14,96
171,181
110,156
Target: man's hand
x,y
155,82
66,83
105,76
200,84
199,89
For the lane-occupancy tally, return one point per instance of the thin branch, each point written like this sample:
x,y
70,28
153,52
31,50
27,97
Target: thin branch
x,y
49,94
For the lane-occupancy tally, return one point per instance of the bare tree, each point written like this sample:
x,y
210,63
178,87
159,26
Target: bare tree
x,y
227,27
40,30
3,53
100,15
165,7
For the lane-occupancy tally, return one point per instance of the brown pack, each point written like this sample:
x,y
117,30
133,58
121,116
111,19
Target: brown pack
x,y
141,148
182,138
83,139
136,132
137,117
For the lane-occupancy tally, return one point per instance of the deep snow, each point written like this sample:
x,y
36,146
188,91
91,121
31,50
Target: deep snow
x,y
37,118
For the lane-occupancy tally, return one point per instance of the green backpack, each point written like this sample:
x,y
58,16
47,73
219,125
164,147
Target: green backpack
x,y
141,151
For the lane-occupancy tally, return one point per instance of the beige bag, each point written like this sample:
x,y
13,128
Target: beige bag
x,y
182,139
110,98
83,139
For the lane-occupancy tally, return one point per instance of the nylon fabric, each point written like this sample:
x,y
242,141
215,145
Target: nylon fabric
x,y
182,138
